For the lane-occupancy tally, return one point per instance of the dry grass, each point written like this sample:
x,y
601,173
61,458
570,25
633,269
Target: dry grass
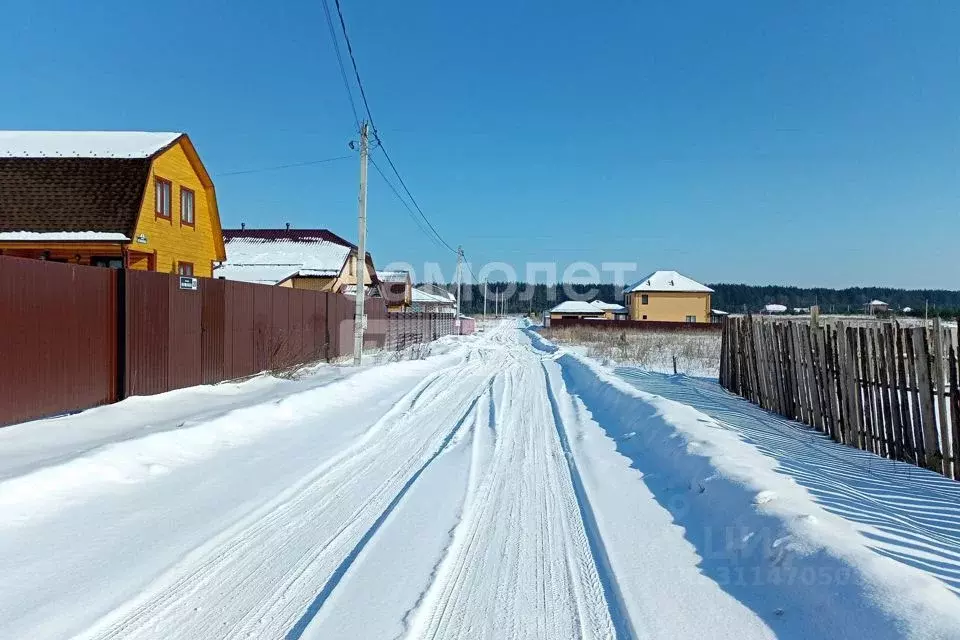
x,y
694,353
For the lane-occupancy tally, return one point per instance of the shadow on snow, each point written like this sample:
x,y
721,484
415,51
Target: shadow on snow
x,y
914,513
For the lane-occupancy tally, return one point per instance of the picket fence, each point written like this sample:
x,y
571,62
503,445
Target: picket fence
x,y
879,386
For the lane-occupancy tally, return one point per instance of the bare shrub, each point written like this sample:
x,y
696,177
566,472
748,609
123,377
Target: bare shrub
x,y
694,353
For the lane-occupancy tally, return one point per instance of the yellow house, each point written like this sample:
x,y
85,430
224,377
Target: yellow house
x,y
667,296
123,199
315,259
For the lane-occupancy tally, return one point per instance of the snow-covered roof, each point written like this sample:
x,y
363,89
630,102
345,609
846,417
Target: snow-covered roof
x,y
878,303
775,308
907,309
393,276
609,306
84,144
576,306
257,273
717,312
351,291
438,291
63,236
669,281
319,255
425,297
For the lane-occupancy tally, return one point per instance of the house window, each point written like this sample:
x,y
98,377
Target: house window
x,y
185,268
186,206
163,192
644,299
691,318
106,261
644,317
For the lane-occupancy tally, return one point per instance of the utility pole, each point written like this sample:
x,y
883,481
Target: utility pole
x,y
359,320
456,322
484,299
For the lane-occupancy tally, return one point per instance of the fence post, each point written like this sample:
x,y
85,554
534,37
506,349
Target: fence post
x,y
831,420
867,389
924,390
944,426
955,410
893,388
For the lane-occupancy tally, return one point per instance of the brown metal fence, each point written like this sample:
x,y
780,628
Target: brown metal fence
x,y
637,325
76,337
58,327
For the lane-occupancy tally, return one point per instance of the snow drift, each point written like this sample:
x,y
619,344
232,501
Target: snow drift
x,y
760,535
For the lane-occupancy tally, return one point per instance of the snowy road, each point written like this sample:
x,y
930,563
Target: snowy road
x,y
474,494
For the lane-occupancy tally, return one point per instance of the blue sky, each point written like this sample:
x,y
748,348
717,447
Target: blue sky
x,y
806,143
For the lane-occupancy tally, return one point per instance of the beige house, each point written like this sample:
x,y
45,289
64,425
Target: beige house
x,y
611,310
396,288
314,259
667,296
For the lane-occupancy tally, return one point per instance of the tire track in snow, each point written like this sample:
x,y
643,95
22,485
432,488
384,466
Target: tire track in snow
x,y
611,588
477,452
520,564
334,580
260,578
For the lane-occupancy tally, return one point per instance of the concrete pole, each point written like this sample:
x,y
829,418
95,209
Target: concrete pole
x,y
456,322
359,320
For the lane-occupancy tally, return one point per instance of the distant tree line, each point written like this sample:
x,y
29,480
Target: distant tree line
x,y
738,298
520,297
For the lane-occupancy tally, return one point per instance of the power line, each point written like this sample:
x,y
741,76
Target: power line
x,y
406,205
376,135
410,195
282,166
343,70
472,274
356,72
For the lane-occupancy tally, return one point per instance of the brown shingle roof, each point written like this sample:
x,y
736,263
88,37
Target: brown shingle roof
x,y
71,194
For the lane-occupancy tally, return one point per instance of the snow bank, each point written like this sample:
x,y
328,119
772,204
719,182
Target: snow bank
x,y
42,487
763,538
89,529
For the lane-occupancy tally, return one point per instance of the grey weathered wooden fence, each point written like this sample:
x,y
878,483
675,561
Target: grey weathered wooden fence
x,y
879,386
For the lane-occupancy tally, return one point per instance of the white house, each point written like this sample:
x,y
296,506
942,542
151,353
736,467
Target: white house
x,y
577,309
876,306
